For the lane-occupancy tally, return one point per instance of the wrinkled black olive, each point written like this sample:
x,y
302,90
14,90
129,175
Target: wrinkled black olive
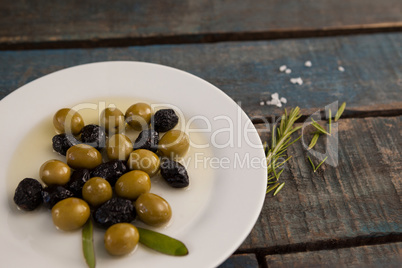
x,y
28,194
62,142
114,211
94,135
111,171
53,194
174,173
164,120
148,139
78,178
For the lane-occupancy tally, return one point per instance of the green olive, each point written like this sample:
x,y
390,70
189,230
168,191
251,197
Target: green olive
x,y
132,184
153,209
70,214
121,238
83,156
97,191
144,160
119,147
113,120
138,115
174,144
68,121
54,172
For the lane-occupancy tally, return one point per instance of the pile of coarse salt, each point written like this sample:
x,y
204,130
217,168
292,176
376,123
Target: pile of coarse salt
x,y
275,100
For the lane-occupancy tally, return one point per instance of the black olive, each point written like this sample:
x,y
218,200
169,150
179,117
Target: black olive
x,y
28,194
94,135
114,211
148,139
77,180
174,173
164,120
111,171
53,194
62,142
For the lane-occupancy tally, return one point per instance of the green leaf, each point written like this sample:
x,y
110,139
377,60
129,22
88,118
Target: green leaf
x,y
313,141
88,244
340,111
162,243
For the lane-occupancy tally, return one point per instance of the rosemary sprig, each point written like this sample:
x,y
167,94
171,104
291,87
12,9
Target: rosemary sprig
x,y
281,140
340,111
312,164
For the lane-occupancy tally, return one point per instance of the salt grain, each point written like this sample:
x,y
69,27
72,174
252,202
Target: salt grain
x,y
288,71
275,96
297,80
282,68
275,100
341,69
307,63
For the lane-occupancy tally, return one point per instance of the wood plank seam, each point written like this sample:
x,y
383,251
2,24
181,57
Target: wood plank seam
x,y
347,114
11,44
373,239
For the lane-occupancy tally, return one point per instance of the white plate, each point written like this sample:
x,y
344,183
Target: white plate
x,y
212,217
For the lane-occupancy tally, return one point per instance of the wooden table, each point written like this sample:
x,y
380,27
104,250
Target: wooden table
x,y
348,215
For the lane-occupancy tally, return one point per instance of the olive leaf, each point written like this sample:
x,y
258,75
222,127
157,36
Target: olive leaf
x,y
88,244
162,243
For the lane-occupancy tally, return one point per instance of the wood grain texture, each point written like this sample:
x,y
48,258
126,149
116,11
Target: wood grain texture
x,y
352,202
249,71
240,261
387,255
24,21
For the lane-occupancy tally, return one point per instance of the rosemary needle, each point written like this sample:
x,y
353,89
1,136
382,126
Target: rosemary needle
x,y
321,163
313,141
340,111
311,162
329,121
270,188
319,127
279,188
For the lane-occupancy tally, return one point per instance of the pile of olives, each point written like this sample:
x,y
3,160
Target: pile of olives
x,y
106,176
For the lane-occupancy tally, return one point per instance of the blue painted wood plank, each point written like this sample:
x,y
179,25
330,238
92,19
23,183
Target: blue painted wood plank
x,y
249,71
387,255
44,21
353,199
240,261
